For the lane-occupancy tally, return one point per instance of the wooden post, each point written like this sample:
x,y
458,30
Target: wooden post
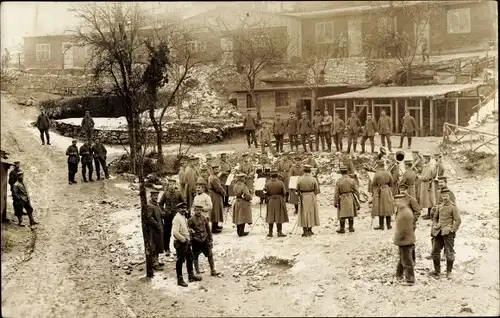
x,y
478,107
446,111
431,119
391,109
373,108
421,117
334,104
456,111
345,112
397,116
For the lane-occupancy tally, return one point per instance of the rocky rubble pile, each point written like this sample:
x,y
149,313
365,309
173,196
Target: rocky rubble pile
x,y
56,84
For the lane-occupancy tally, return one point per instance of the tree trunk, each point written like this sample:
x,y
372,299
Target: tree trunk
x,y
144,205
408,75
159,134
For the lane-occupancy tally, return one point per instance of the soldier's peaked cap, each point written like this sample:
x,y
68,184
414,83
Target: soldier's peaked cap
x,y
181,205
241,175
399,196
171,180
445,190
427,156
201,181
198,206
415,151
215,166
20,172
74,140
403,186
443,178
307,166
154,192
408,162
16,162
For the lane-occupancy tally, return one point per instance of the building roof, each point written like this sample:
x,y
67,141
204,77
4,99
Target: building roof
x,y
294,87
427,91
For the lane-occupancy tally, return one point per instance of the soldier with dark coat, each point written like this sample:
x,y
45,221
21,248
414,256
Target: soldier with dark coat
x,y
249,170
284,169
249,126
88,126
404,238
316,124
369,131
216,192
409,126
427,196
86,154
305,130
353,126
182,244
168,203
394,166
201,239
264,136
338,132
225,171
344,201
182,176
13,175
415,208
279,130
152,232
439,171
385,129
276,205
442,186
190,177
22,200
326,129
242,210
295,171
73,160
383,203
100,153
293,131
308,188
417,167
409,177
445,224
43,125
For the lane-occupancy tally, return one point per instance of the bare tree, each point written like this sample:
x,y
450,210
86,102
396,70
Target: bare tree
x,y
400,40
254,46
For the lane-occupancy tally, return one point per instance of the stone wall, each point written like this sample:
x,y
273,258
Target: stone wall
x,y
349,71
195,133
66,85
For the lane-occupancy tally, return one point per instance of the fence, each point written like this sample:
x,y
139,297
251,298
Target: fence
x,y
457,135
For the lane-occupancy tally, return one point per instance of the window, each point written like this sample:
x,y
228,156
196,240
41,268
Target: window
x,y
43,52
197,46
249,100
282,99
324,32
459,21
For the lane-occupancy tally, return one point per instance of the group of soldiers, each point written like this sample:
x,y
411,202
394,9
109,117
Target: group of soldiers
x,y
324,128
89,154
20,197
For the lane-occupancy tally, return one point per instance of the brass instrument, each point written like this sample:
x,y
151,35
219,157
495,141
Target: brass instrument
x,y
382,152
400,156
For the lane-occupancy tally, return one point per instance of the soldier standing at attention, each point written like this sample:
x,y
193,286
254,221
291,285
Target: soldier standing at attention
x,y
225,171
295,170
284,169
345,189
353,128
43,125
88,126
13,175
279,129
439,171
190,177
86,154
293,131
382,205
201,239
265,138
250,125
154,219
409,177
326,128
202,198
369,133
427,196
168,203
217,192
249,170
409,127
182,246
182,176
404,238
21,200
305,129
242,212
415,208
308,188
417,167
73,160
316,124
100,153
276,205
445,224
394,165
385,129
338,132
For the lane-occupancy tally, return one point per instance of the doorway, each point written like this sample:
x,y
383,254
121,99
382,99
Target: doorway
x,y
67,52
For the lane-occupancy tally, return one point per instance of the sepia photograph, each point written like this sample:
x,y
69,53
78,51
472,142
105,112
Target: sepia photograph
x,y
249,159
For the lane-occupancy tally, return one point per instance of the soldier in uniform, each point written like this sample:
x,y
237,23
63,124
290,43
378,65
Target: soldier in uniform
x,y
409,127
201,239
394,165
305,129
86,154
442,185
182,246
279,129
415,208
43,125
284,169
369,133
204,174
88,126
276,205
326,129
100,153
168,203
73,160
250,125
21,200
265,138
316,124
182,176
417,166
445,224
248,169
409,177
152,232
293,131
338,132
404,238
242,211
345,202
13,175
310,161
439,171
427,196
353,126
385,129
225,171
217,192
202,197
295,170
383,203
308,188
190,177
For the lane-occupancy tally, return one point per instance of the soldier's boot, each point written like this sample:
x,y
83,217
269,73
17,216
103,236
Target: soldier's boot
x,y
296,208
428,216
48,140
238,229
279,226
215,228
32,220
348,147
270,234
90,176
342,226
84,178
69,178
196,266
305,232
181,282
20,221
449,267
354,147
388,222
193,278
373,148
401,141
380,223
243,233
351,224
310,231
106,173
211,262
409,142
98,175
437,267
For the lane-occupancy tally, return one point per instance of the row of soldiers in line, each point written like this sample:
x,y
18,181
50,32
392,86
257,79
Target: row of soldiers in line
x,y
323,127
20,197
89,153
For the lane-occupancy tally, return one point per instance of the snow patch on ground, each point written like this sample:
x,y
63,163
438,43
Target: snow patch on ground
x,y
101,123
484,113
